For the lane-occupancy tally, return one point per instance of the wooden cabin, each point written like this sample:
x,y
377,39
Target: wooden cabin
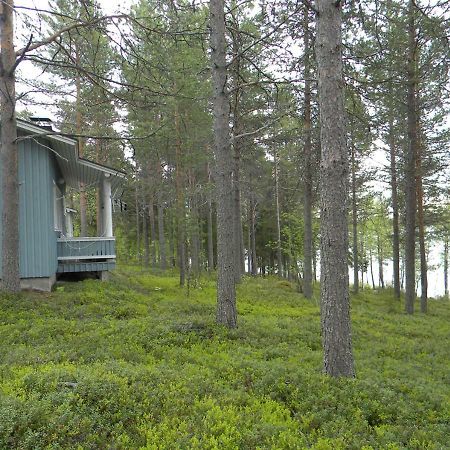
x,y
48,166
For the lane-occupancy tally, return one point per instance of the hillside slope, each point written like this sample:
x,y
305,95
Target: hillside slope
x,y
139,363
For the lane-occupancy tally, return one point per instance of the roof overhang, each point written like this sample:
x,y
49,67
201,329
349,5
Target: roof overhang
x,y
76,171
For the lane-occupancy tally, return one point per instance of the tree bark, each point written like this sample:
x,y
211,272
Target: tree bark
x,y
354,224
138,234
161,236
410,169
172,241
335,302
380,262
160,209
79,131
362,253
98,193
253,237
146,237
421,226
446,266
314,260
226,290
307,154
277,207
151,218
371,269
181,214
210,242
194,238
9,152
249,240
237,143
395,212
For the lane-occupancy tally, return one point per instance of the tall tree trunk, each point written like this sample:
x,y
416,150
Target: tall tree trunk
x,y
421,226
238,232
410,169
277,207
361,252
226,290
138,221
209,226
161,236
237,144
395,213
335,302
402,273
307,155
194,234
172,241
314,260
146,237
98,193
151,218
249,240
446,266
181,214
371,269
210,243
79,131
9,152
253,237
354,223
380,262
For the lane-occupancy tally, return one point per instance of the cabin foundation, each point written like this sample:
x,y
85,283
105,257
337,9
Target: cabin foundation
x,y
44,284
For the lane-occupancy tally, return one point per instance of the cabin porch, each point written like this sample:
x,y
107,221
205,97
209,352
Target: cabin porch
x,y
86,254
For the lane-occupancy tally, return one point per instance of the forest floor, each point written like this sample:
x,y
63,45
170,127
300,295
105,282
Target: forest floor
x,y
139,363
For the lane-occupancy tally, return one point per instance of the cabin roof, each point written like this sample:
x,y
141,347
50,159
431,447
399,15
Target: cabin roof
x,y
75,170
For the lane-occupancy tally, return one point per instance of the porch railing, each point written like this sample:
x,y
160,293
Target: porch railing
x,y
86,249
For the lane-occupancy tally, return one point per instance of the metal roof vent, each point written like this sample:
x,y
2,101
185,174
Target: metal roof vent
x,y
43,122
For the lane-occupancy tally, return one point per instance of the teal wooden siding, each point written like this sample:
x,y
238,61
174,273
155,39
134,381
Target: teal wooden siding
x,y
37,170
75,267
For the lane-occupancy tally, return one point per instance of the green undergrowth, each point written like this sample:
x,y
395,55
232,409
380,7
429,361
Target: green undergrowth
x,y
139,363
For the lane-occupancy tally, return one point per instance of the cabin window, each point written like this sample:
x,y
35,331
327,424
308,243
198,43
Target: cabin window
x,y
58,208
